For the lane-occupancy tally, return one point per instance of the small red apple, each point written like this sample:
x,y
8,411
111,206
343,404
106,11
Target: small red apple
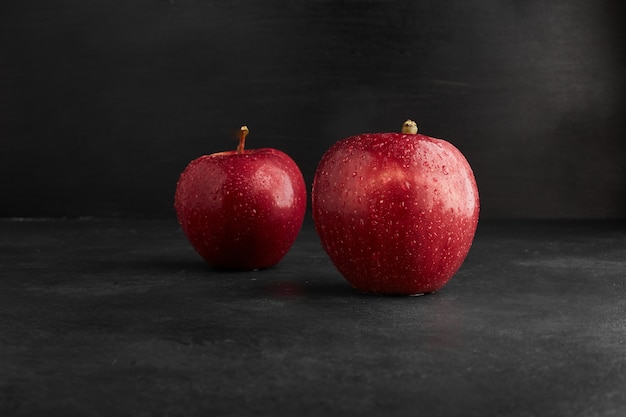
x,y
396,212
241,209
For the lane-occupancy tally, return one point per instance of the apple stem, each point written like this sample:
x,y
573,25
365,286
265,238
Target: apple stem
x,y
243,132
409,127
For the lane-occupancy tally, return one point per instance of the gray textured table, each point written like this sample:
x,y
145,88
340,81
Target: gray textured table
x,y
121,317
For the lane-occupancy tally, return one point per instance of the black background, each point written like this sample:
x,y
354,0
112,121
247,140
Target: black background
x,y
103,103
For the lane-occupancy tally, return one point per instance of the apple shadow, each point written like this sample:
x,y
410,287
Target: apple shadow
x,y
306,289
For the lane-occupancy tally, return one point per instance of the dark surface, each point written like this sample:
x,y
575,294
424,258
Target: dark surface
x,y
103,318
103,103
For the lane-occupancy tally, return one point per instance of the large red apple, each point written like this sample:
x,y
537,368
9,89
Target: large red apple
x,y
396,212
241,209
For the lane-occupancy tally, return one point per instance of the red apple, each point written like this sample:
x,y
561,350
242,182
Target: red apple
x,y
241,209
396,212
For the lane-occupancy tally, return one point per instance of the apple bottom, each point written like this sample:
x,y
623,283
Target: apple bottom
x,y
389,258
242,243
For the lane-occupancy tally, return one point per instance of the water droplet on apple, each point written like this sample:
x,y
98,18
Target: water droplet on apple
x,y
444,170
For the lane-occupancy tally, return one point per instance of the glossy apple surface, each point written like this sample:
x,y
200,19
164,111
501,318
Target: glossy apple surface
x,y
395,212
241,210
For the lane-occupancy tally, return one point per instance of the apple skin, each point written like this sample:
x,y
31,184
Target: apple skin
x,y
395,212
241,211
